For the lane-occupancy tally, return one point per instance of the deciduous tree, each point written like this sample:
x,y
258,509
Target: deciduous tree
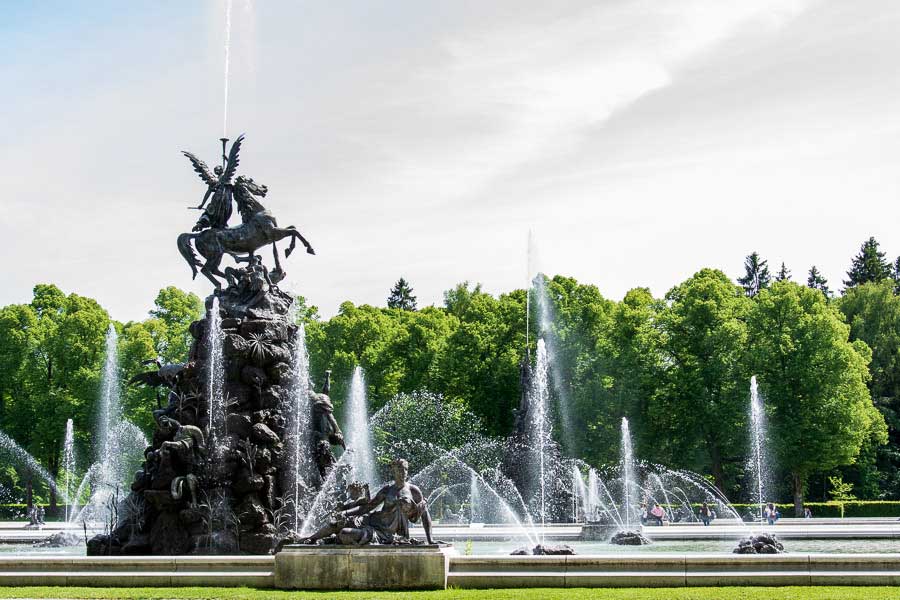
x,y
814,382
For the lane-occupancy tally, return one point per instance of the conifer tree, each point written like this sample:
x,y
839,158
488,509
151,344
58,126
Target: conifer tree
x,y
817,281
896,275
868,265
784,274
757,276
401,296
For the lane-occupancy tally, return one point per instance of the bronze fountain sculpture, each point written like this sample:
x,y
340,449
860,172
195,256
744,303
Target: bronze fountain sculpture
x,y
199,493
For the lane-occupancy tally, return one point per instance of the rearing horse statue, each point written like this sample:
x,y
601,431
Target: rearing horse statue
x,y
213,238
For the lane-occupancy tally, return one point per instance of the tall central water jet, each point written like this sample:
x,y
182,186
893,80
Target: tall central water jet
x,y
545,323
227,65
757,444
628,472
359,435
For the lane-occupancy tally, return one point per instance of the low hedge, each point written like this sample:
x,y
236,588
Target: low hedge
x,y
832,510
19,512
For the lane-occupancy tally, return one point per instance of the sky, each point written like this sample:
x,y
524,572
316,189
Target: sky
x,y
638,140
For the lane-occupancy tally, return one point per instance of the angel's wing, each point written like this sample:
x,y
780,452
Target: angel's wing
x,y
233,160
201,168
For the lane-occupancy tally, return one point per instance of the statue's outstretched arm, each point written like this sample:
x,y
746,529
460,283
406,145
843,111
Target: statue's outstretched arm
x,y
206,196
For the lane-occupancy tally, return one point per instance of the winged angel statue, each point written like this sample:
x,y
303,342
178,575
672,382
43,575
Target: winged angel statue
x,y
212,237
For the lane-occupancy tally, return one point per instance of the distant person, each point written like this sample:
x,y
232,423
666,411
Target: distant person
x,y
705,514
807,513
645,515
771,513
657,513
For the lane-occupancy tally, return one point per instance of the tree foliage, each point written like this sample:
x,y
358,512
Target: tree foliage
x,y
678,367
704,401
873,312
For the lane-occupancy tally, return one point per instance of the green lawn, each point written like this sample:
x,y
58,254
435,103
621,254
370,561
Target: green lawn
x,y
723,593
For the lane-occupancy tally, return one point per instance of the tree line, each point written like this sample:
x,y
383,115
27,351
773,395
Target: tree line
x,y
678,367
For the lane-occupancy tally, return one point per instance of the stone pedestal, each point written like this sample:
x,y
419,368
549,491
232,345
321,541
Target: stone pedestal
x,y
362,567
597,532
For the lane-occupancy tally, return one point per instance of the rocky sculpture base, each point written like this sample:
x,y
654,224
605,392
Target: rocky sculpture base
x,y
763,543
194,495
629,538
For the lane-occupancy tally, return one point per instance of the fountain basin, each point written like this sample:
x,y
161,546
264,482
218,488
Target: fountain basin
x,y
335,567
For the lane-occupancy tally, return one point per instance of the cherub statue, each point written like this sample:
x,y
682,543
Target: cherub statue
x,y
346,514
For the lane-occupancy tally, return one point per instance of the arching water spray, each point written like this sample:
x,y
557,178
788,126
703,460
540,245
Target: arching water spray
x,y
26,460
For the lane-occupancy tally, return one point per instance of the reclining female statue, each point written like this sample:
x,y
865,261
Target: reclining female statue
x,y
401,503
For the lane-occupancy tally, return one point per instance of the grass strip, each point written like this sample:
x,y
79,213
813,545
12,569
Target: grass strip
x,y
710,593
